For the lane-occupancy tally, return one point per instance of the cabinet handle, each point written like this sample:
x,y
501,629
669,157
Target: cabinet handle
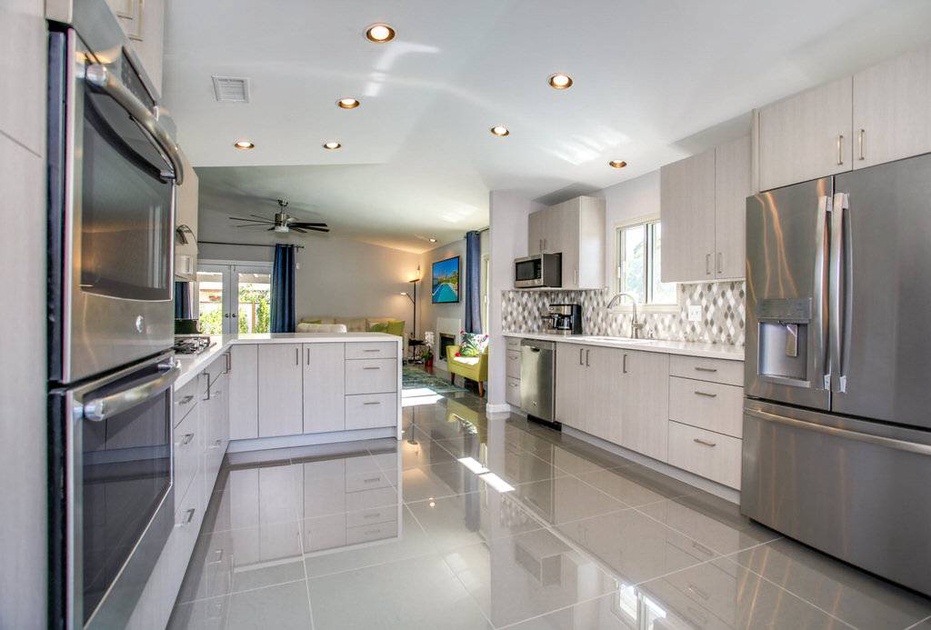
x,y
707,264
840,150
297,356
704,442
860,143
229,362
187,439
624,366
371,368
372,403
587,352
575,277
371,351
308,356
186,399
706,394
371,480
720,262
581,350
705,369
371,515
698,591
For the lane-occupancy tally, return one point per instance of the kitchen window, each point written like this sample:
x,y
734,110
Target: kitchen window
x,y
639,260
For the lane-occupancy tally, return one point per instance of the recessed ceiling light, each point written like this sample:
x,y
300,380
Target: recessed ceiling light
x,y
500,131
432,240
348,103
617,163
243,144
380,33
332,146
560,81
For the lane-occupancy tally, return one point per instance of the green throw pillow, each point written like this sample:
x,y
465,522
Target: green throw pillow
x,y
473,344
395,328
380,328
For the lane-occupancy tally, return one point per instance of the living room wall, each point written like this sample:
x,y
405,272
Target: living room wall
x,y
427,312
335,276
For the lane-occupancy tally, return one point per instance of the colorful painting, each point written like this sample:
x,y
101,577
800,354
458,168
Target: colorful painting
x,y
446,281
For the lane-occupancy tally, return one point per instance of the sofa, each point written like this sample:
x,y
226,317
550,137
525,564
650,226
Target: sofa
x,y
353,324
472,368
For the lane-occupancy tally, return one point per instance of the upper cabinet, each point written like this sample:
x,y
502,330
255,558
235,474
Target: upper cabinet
x,y
892,109
186,225
143,21
575,229
878,115
806,136
702,208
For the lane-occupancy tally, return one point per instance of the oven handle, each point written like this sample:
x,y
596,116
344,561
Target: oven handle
x,y
102,80
102,408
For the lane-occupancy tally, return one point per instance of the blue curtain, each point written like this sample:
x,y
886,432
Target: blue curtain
x,y
182,300
473,276
283,273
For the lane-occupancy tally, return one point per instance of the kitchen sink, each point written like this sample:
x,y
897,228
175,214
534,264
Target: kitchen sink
x,y
617,339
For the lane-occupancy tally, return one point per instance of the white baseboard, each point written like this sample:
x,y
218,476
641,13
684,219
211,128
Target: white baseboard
x,y
491,408
728,494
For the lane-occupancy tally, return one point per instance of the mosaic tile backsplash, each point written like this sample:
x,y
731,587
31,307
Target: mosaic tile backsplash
x,y
723,314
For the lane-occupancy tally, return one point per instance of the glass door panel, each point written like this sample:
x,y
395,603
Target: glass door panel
x,y
210,306
254,290
234,298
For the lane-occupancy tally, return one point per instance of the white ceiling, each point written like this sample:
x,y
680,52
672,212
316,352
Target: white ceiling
x,y
418,158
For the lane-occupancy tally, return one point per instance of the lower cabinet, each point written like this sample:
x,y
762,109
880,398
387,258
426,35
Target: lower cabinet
x,y
324,387
243,392
512,372
279,390
644,402
705,453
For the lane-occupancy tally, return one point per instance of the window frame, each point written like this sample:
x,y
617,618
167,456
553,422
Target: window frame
x,y
647,306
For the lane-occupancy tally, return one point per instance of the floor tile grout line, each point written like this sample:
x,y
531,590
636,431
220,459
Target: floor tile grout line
x,y
232,592
918,623
587,600
787,590
310,604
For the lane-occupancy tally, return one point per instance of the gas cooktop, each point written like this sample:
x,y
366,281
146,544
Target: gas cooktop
x,y
191,344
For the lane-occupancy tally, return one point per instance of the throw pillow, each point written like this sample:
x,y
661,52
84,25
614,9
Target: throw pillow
x,y
379,328
395,327
473,344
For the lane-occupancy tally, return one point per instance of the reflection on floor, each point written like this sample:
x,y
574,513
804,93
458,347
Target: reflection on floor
x,y
474,523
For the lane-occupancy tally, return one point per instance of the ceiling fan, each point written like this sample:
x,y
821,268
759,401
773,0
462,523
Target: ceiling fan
x,y
282,222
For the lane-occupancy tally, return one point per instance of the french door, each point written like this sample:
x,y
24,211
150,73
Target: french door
x,y
233,297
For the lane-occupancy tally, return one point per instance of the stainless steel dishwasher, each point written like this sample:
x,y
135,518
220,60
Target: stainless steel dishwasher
x,y
538,378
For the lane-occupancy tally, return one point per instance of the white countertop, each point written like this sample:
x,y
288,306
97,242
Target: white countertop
x,y
194,364
687,348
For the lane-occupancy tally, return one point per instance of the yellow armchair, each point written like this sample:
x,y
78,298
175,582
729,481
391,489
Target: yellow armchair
x,y
474,371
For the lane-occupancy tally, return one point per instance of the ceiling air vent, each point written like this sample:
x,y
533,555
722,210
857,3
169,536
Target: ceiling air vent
x,y
231,89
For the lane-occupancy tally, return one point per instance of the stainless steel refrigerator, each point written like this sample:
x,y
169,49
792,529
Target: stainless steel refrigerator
x,y
837,418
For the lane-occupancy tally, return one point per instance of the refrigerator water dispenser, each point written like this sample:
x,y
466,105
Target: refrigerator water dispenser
x,y
783,339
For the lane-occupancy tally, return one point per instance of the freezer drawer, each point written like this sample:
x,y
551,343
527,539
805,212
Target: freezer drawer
x,y
856,490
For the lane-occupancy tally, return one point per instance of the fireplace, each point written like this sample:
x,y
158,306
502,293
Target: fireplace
x,y
447,334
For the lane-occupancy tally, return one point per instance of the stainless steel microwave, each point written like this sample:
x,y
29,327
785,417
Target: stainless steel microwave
x,y
539,270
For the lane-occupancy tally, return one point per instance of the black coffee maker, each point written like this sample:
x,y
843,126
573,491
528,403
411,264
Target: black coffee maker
x,y
567,318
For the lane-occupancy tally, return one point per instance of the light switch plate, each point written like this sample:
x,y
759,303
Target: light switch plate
x,y
694,312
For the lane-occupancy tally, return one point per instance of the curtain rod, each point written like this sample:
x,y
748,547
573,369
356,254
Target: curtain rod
x,y
247,244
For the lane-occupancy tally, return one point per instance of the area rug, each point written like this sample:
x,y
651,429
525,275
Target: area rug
x,y
414,377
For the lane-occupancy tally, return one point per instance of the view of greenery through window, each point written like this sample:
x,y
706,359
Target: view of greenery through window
x,y
253,311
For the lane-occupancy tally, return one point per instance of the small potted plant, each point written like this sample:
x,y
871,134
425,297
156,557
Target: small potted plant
x,y
427,357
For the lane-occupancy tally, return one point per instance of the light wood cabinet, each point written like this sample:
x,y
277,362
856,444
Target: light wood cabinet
x,y
575,229
587,393
806,136
711,455
324,387
891,111
280,390
644,402
243,392
702,201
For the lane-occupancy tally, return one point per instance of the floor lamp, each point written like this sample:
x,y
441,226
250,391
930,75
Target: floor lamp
x,y
413,299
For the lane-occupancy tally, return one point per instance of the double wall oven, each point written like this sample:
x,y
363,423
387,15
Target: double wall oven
x,y
113,170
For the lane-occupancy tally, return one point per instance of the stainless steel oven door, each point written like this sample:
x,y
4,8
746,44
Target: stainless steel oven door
x,y
119,487
116,216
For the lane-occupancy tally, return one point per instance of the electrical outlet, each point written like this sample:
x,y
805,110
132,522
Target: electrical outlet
x,y
694,312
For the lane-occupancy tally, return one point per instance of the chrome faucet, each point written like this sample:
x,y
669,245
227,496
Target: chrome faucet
x,y
635,324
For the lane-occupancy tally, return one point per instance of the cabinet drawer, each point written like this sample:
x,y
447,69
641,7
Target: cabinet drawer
x,y
371,376
513,343
513,363
363,473
188,518
713,370
367,533
189,444
369,411
710,455
512,395
376,350
381,514
185,400
707,405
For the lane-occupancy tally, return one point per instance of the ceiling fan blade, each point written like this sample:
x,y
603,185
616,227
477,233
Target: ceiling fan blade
x,y
263,218
319,229
307,224
251,225
252,220
297,229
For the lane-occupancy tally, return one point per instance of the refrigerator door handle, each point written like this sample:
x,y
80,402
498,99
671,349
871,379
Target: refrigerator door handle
x,y
822,362
840,291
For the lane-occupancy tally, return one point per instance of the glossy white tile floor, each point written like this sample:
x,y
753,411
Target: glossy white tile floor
x,y
402,535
